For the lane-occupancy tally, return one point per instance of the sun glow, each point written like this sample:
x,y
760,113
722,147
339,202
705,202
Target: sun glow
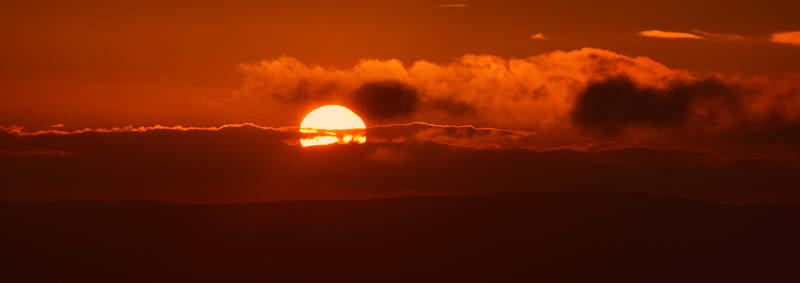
x,y
331,124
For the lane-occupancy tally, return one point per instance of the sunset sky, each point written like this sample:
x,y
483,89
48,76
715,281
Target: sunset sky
x,y
81,79
101,63
416,140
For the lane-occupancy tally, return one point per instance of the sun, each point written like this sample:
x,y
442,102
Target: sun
x,y
331,124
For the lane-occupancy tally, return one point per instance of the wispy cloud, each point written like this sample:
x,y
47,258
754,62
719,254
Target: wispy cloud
x,y
694,34
668,34
789,37
721,36
538,36
20,131
454,5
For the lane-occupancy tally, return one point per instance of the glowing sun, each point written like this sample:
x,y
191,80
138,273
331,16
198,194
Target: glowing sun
x,y
332,124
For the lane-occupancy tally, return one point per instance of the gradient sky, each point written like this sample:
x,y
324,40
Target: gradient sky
x,y
366,139
199,101
100,63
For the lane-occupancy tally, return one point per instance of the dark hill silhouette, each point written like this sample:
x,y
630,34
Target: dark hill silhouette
x,y
541,237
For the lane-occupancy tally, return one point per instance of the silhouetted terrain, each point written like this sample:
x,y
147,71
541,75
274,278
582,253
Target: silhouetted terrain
x,y
541,237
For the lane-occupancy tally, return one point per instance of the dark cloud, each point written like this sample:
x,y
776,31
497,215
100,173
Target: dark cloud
x,y
248,164
463,136
615,103
453,107
775,130
385,99
307,91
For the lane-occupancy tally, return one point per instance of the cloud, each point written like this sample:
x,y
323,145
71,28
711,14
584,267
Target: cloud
x,y
20,131
454,135
453,106
538,36
385,99
618,102
529,93
585,98
457,135
668,34
709,35
695,34
250,164
790,37
699,113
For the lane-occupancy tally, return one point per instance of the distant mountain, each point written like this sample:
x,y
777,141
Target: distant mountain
x,y
525,237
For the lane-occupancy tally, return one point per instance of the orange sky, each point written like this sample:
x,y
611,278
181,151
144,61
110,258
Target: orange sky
x,y
612,123
99,63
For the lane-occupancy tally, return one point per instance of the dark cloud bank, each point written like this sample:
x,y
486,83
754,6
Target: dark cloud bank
x,y
248,164
616,103
716,112
580,120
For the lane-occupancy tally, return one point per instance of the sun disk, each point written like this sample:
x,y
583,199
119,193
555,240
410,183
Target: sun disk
x,y
331,124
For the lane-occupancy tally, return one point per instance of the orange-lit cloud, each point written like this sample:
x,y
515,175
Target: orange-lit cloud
x,y
789,37
456,135
20,131
538,36
668,34
529,93
586,98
